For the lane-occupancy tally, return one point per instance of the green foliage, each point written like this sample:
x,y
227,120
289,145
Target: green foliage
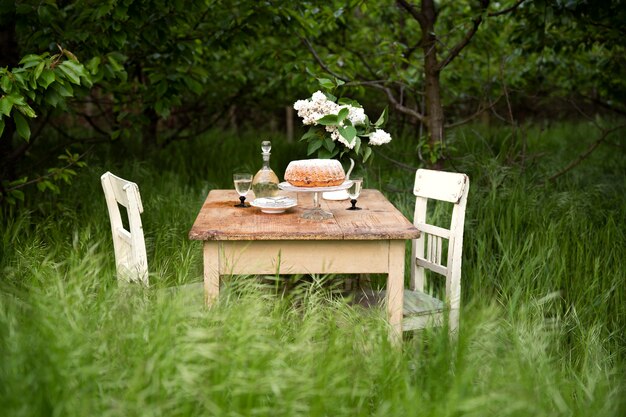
x,y
43,81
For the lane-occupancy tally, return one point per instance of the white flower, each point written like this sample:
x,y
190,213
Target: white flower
x,y
300,104
314,109
318,105
379,137
336,136
318,96
356,115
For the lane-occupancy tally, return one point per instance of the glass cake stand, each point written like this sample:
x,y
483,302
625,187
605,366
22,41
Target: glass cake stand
x,y
316,212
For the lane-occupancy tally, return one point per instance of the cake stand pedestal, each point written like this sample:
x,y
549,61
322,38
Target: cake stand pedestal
x,y
316,212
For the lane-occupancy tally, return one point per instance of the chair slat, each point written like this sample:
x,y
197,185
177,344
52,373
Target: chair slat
x,y
424,263
439,185
433,230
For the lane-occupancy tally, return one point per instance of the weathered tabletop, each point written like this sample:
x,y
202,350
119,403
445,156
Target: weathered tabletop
x,y
242,241
378,219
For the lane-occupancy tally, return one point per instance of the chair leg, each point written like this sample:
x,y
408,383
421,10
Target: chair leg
x,y
365,281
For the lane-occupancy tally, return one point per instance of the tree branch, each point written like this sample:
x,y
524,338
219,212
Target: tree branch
x,y
473,116
395,162
397,105
321,62
587,152
375,84
454,52
507,10
417,15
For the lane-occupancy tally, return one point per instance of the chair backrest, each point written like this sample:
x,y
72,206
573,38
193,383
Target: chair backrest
x,y
130,249
428,249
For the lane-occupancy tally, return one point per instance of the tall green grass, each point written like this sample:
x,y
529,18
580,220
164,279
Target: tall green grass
x,y
543,318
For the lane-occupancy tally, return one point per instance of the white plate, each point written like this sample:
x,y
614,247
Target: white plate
x,y
273,205
288,187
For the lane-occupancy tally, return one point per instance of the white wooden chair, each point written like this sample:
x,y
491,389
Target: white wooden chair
x,y
129,245
420,308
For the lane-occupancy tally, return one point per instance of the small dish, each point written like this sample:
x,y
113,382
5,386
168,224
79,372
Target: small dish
x,y
274,205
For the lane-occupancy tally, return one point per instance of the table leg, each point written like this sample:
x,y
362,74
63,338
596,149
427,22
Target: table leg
x,y
395,289
211,272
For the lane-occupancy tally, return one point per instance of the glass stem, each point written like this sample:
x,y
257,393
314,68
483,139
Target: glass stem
x,y
316,200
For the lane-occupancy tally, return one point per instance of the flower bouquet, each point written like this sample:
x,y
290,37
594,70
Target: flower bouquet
x,y
339,127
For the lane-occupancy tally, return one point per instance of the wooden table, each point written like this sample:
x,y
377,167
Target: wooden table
x,y
242,241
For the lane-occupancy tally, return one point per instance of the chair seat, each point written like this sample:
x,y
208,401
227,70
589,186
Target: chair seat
x,y
419,309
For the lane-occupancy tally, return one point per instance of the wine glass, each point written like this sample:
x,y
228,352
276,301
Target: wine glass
x,y
354,191
243,183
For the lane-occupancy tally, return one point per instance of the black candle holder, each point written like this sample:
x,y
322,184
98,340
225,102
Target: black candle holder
x,y
354,207
242,204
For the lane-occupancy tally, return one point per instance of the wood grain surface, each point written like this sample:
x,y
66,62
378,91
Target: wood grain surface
x,y
218,219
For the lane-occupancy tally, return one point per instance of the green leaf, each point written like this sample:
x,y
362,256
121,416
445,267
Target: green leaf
x,y
329,144
163,109
93,65
1,126
22,126
357,145
348,132
311,133
324,153
27,110
6,104
17,194
367,152
47,78
382,119
328,120
348,102
6,84
193,85
53,98
69,72
343,113
314,146
64,90
39,70
161,88
326,83
30,60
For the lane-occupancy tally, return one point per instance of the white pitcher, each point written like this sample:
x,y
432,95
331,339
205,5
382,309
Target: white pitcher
x,y
341,194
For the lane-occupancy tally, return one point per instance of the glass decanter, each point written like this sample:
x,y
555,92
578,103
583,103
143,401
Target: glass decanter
x,y
265,182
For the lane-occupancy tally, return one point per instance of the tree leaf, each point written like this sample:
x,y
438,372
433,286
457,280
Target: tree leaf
x,y
5,83
328,120
6,104
69,72
382,119
310,134
39,70
357,145
47,78
1,126
348,132
367,152
326,83
21,126
17,194
329,144
343,113
27,111
314,145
